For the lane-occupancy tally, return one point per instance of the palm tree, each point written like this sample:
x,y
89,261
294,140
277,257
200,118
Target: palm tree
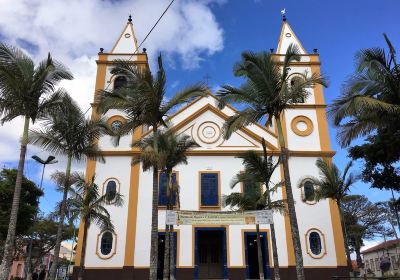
x,y
87,203
334,185
267,92
144,103
171,152
257,174
370,99
26,91
67,132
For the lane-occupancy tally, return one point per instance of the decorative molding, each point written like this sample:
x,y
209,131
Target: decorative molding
x,y
323,244
114,246
323,154
213,128
303,119
103,191
115,118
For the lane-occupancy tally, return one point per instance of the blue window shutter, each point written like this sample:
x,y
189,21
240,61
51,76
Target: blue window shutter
x,y
111,190
162,193
162,190
209,189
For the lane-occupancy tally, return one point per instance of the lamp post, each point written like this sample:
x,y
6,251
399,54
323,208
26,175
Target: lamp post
x,y
49,160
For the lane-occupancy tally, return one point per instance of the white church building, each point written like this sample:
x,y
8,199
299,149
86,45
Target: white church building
x,y
214,251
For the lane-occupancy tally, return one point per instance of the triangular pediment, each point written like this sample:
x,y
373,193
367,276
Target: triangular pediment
x,y
203,121
288,37
126,43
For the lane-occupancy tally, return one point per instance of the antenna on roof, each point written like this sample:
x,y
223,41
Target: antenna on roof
x,y
283,13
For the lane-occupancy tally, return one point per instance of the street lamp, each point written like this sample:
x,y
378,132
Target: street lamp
x,y
49,160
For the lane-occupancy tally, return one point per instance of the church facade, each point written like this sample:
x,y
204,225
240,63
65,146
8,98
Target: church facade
x,y
214,251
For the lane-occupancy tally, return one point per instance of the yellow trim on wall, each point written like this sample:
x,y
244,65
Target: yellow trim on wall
x,y
216,207
228,153
115,118
91,164
307,121
325,144
114,246
323,244
132,209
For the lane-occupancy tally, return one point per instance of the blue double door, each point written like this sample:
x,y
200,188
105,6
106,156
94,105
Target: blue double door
x,y
211,254
251,254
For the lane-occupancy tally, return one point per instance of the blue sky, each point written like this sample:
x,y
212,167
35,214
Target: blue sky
x,y
197,38
337,28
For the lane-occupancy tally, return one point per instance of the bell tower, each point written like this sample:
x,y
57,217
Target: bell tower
x,y
305,128
125,48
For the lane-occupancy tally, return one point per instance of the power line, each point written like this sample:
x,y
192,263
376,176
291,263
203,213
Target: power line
x,y
151,30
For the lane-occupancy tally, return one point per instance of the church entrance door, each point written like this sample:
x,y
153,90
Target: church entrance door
x,y
210,253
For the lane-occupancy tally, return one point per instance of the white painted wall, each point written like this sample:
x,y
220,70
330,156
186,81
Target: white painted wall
x,y
118,167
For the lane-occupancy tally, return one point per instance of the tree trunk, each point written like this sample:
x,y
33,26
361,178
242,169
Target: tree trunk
x,y
171,253
167,232
357,249
274,253
154,218
344,232
9,243
82,263
259,254
290,202
53,269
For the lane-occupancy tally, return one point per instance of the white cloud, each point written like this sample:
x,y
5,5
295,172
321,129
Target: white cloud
x,y
74,30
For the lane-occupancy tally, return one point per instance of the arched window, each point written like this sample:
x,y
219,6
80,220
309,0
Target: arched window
x,y
111,190
119,82
315,243
309,191
106,243
295,80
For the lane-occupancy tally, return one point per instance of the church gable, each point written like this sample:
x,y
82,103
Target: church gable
x,y
204,124
288,37
127,43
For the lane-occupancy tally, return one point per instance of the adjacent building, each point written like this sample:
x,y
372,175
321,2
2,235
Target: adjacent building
x,y
387,252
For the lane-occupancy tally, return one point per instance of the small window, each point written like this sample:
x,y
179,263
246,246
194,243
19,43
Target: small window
x,y
295,80
372,265
106,243
209,189
314,239
309,191
110,189
119,82
395,264
162,194
116,125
